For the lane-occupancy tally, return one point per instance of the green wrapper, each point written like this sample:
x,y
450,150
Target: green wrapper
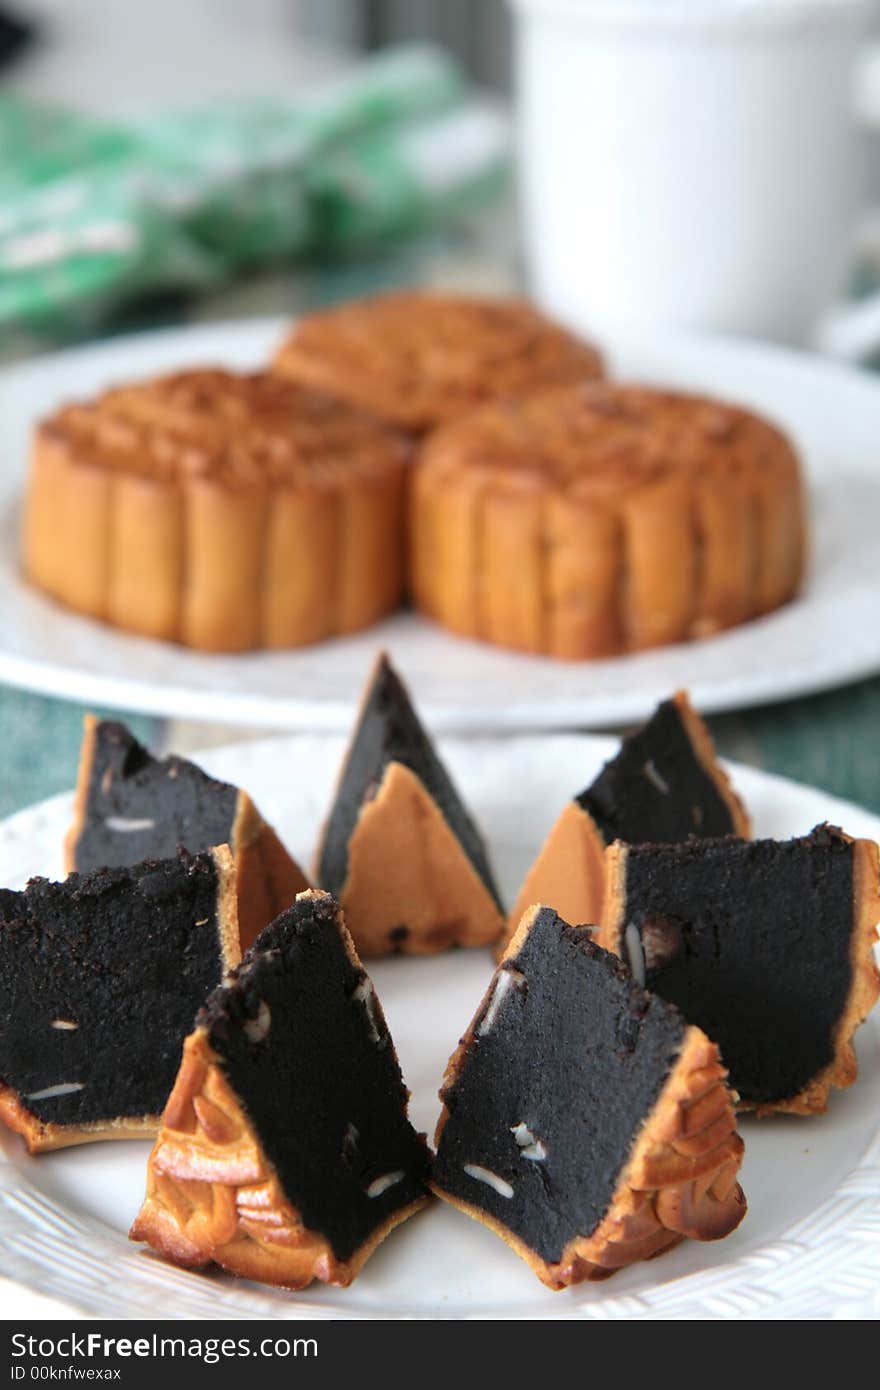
x,y
391,182
93,214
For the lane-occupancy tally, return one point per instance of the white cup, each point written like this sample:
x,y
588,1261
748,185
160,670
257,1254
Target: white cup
x,y
690,162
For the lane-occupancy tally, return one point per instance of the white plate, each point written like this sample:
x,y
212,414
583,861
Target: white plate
x,y
809,1247
827,637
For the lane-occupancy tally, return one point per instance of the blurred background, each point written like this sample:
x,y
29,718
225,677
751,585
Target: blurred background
x,y
696,163
208,158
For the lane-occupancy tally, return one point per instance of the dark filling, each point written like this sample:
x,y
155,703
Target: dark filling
x,y
578,1054
128,955
127,786
389,731
751,939
322,1086
656,789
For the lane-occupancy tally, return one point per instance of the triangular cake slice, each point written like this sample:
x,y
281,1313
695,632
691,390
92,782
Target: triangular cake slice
x,y
100,979
765,944
663,786
583,1120
285,1153
399,849
131,806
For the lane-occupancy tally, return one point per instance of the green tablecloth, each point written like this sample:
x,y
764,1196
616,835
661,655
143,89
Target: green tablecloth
x,y
830,740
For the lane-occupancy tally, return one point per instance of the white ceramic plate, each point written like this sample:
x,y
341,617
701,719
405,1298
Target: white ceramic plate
x,y
827,637
809,1247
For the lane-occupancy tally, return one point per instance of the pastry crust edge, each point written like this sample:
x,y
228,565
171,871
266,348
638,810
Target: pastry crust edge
x,y
485,905
289,1255
572,817
594,841
268,877
704,747
864,990
680,1179
469,916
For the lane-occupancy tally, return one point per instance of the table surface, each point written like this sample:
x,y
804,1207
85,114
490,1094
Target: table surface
x,y
830,740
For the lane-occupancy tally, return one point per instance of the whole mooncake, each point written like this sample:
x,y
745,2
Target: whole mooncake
x,y
419,358
222,510
600,518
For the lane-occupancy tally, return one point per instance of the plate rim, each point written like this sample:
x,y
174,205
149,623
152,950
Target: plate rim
x,y
701,1294
240,339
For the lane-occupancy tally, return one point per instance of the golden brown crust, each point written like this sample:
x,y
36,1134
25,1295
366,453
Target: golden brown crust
x,y
614,897
418,358
81,795
568,874
596,518
406,867
61,505
224,511
267,877
865,981
680,1179
41,1137
214,1197
227,907
268,881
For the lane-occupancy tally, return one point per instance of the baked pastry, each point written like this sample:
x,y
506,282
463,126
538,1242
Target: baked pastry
x,y
419,357
100,979
600,518
398,848
766,945
664,785
583,1120
130,807
224,511
285,1153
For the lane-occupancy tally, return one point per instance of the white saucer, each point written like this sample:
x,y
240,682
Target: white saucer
x,y
808,1248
